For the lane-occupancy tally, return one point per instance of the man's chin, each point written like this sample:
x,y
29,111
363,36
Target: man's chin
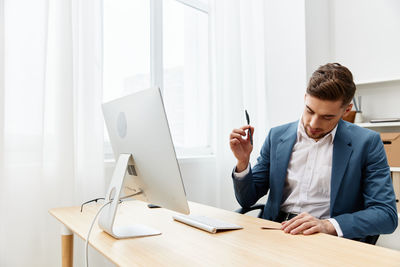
x,y
318,135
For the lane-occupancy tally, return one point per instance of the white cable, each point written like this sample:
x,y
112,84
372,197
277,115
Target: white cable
x,y
88,235
95,217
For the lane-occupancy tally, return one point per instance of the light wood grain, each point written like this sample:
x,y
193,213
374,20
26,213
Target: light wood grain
x,y
67,246
182,245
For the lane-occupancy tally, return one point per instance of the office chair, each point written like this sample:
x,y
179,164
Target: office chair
x,y
254,207
371,239
391,240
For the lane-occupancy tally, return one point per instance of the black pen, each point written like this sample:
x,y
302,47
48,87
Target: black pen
x,y
248,123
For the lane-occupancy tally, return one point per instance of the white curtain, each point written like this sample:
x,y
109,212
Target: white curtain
x,y
51,126
239,80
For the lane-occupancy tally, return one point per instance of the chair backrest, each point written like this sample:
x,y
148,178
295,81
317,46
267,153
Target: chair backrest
x,y
391,240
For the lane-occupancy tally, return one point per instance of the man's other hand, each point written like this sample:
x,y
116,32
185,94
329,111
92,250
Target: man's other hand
x,y
306,224
241,147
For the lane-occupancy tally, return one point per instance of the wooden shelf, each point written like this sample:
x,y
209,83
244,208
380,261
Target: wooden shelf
x,y
378,124
395,169
376,81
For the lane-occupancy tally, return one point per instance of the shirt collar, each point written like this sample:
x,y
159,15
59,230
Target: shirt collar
x,y
301,133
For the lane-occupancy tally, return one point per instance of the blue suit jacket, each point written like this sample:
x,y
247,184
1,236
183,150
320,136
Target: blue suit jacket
x,y
362,196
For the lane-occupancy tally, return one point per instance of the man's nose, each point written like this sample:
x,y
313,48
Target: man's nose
x,y
314,123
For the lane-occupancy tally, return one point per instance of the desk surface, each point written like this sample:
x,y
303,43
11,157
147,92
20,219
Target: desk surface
x,y
183,245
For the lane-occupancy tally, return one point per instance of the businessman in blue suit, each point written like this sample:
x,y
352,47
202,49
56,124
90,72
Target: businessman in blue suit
x,y
322,174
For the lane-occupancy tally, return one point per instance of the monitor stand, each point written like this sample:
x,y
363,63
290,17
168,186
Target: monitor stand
x,y
107,215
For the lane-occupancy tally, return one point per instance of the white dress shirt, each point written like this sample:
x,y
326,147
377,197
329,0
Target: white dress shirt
x,y
308,178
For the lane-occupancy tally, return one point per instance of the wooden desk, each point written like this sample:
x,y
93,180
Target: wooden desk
x,y
182,245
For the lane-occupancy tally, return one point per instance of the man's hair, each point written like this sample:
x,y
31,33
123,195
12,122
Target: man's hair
x,y
332,82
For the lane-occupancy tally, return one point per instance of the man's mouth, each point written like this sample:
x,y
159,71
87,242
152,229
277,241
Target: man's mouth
x,y
314,131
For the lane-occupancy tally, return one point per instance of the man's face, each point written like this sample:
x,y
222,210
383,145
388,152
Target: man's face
x,y
321,116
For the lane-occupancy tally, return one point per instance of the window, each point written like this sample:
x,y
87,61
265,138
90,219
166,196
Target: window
x,y
143,50
186,87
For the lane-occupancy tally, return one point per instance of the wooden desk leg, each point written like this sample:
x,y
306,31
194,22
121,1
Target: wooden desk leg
x,y
67,247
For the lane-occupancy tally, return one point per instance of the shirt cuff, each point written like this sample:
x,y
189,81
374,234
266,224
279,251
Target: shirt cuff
x,y
337,227
240,175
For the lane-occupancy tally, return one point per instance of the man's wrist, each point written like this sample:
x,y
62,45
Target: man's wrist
x,y
241,166
329,228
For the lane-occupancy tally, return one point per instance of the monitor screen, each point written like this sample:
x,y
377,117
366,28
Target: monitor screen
x,y
137,125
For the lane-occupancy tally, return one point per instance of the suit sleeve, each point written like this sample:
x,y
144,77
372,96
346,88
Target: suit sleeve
x,y
249,189
379,215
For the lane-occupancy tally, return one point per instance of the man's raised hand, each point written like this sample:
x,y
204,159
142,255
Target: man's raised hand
x,y
241,146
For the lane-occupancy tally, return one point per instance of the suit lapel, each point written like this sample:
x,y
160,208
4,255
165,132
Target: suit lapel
x,y
283,153
341,154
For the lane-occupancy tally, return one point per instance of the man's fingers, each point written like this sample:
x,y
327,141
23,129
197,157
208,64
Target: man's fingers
x,y
290,226
312,230
301,215
234,141
246,127
235,135
288,223
240,131
303,223
302,227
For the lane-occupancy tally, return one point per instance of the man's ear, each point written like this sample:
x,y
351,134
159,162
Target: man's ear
x,y
348,108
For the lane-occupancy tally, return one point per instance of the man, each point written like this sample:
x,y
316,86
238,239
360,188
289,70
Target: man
x,y
323,174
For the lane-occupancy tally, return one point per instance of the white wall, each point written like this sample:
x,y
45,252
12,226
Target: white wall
x,y
365,36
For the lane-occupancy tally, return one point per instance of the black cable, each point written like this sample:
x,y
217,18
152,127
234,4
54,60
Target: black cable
x,y
89,201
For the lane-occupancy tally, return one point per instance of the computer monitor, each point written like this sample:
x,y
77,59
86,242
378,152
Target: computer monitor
x,y
146,165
